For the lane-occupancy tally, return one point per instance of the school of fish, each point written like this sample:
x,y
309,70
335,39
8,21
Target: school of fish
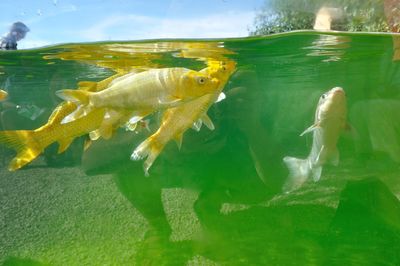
x,y
183,96
98,109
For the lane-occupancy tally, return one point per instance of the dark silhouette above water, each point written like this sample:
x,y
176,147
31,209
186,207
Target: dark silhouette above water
x,y
18,31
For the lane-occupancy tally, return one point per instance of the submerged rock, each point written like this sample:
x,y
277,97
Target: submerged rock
x,y
366,227
365,205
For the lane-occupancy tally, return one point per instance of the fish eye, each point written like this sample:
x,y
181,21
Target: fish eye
x,y
323,96
201,80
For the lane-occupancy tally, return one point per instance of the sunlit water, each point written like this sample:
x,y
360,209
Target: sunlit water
x,y
218,200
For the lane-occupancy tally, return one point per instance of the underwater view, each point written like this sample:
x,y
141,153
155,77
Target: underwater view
x,y
276,150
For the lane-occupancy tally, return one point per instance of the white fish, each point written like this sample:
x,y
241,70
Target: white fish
x,y
330,120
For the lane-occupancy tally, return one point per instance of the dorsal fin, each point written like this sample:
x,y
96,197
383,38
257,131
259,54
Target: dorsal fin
x,y
197,125
61,111
87,85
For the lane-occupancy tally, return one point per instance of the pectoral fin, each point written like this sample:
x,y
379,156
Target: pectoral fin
x,y
310,129
146,124
64,144
178,140
130,127
335,158
137,117
197,125
87,144
221,97
321,157
79,112
94,135
207,121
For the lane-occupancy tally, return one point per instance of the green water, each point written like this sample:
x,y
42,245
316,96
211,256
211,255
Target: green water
x,y
218,200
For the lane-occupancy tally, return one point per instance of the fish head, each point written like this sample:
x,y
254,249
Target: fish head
x,y
196,84
222,70
332,104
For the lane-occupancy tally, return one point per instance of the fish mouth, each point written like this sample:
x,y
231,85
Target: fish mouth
x,y
337,91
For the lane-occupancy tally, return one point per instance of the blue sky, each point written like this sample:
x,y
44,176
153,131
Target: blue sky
x,y
60,21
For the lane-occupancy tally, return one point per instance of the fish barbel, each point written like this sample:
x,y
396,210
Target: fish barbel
x,y
176,121
329,122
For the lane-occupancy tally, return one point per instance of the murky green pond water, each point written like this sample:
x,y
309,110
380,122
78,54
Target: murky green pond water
x,y
218,200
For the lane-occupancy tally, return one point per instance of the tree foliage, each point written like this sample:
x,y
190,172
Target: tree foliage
x,y
286,15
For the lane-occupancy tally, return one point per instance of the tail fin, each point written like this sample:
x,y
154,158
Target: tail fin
x,y
22,142
299,171
80,96
148,148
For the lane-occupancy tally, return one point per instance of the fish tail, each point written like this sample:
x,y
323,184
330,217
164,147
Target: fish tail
x,y
299,171
149,148
77,96
23,143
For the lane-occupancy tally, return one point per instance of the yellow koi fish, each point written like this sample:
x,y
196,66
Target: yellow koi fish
x,y
113,119
330,121
29,144
3,95
146,91
176,121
